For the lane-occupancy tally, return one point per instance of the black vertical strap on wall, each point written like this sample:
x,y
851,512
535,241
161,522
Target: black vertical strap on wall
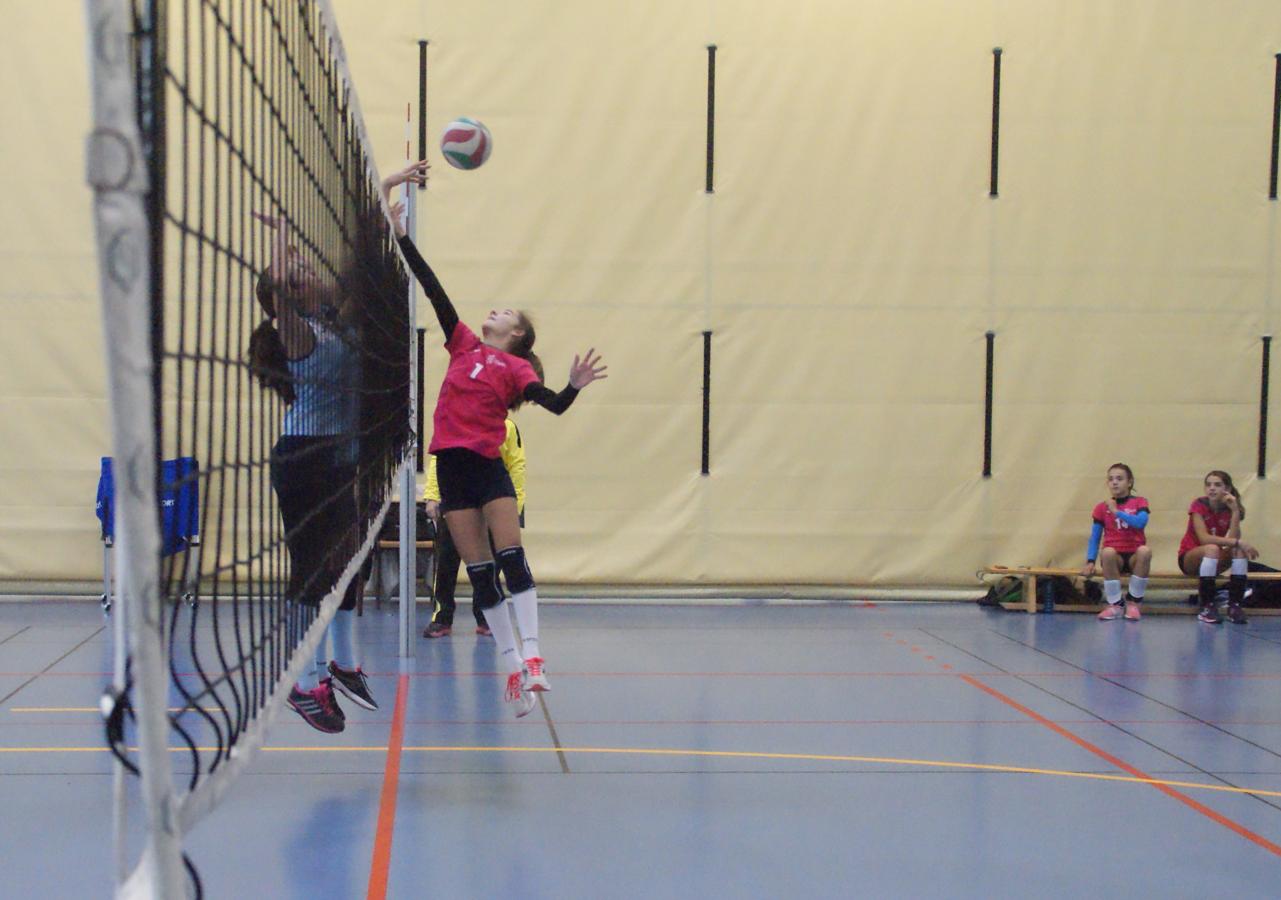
x,y
987,407
1276,131
707,402
711,115
996,117
422,352
422,151
1263,406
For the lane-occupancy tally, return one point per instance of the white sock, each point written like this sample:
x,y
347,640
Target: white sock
x,y
500,623
340,628
1138,586
1209,567
526,605
1112,591
1240,566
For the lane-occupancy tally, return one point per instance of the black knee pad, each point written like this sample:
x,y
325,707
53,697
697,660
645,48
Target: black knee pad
x,y
485,592
515,569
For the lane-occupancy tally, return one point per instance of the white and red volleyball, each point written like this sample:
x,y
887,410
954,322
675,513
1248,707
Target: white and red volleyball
x,y
466,144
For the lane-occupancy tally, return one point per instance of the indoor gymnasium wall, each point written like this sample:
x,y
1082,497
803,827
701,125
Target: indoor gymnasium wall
x,y
848,266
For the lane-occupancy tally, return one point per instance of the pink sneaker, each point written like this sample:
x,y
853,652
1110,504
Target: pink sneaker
x,y
1132,612
515,693
1112,611
535,678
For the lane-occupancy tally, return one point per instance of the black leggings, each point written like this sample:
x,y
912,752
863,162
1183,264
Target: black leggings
x,y
317,496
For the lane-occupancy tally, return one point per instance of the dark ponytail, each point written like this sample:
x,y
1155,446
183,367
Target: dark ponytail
x,y
1232,488
524,348
268,360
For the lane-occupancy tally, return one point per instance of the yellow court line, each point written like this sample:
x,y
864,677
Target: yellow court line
x,y
717,754
94,709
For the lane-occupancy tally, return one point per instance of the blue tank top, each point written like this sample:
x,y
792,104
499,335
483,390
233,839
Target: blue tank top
x,y
326,382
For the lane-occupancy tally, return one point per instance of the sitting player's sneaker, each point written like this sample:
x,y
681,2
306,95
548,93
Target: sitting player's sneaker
x,y
354,684
535,678
318,708
523,699
1132,611
483,630
1110,612
1236,615
1209,615
436,630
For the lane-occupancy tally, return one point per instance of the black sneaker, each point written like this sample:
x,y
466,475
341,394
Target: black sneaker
x,y
317,708
1236,615
437,630
353,683
1209,615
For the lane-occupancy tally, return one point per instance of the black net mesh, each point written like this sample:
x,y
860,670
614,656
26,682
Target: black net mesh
x,y
281,334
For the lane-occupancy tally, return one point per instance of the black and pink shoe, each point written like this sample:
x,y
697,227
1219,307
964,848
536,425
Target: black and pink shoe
x,y
318,708
354,684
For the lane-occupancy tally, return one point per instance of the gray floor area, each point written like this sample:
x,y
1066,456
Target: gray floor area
x,y
886,750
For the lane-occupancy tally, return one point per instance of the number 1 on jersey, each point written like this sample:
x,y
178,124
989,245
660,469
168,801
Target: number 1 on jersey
x,y
476,371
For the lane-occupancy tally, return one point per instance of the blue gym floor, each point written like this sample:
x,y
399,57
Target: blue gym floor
x,y
838,750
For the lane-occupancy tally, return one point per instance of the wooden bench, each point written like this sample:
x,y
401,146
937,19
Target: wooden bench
x,y
1029,575
386,567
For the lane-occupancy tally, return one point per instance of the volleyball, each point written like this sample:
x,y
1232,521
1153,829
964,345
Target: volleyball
x,y
466,144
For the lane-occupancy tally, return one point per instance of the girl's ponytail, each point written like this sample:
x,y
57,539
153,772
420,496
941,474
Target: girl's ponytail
x,y
268,360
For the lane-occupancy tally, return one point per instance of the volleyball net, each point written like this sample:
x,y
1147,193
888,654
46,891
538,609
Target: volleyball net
x,y
254,302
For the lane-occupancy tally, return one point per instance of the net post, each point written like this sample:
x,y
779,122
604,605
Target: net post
x,y
408,470
118,171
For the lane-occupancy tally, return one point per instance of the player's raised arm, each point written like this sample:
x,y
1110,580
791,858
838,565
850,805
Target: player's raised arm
x,y
416,173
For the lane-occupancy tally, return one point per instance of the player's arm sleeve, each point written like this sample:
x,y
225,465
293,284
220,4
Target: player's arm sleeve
x,y
445,312
431,491
514,459
1134,520
1096,536
537,392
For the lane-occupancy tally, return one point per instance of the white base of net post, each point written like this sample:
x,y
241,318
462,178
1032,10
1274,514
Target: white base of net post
x,y
408,557
409,477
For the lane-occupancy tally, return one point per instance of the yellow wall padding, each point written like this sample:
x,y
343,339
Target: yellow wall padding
x,y
848,265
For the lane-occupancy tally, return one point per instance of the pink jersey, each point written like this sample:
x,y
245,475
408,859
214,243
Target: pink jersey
x,y
479,386
1217,523
1120,536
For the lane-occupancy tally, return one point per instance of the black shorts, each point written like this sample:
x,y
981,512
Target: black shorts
x,y
468,480
315,490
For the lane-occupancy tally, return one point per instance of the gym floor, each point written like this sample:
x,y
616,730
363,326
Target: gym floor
x,y
751,750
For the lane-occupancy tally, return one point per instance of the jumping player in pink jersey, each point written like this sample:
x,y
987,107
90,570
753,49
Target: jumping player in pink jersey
x,y
1118,527
1213,542
487,376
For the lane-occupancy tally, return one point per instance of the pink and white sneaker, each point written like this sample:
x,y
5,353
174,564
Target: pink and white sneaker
x,y
1112,611
1132,611
516,693
535,678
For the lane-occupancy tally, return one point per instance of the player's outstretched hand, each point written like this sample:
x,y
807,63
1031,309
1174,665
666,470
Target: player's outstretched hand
x,y
583,372
398,218
414,173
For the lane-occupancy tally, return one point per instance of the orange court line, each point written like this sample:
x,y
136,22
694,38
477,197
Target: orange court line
x,y
381,862
1164,787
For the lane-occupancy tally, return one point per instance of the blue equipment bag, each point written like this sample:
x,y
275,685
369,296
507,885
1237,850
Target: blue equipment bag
x,y
179,503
